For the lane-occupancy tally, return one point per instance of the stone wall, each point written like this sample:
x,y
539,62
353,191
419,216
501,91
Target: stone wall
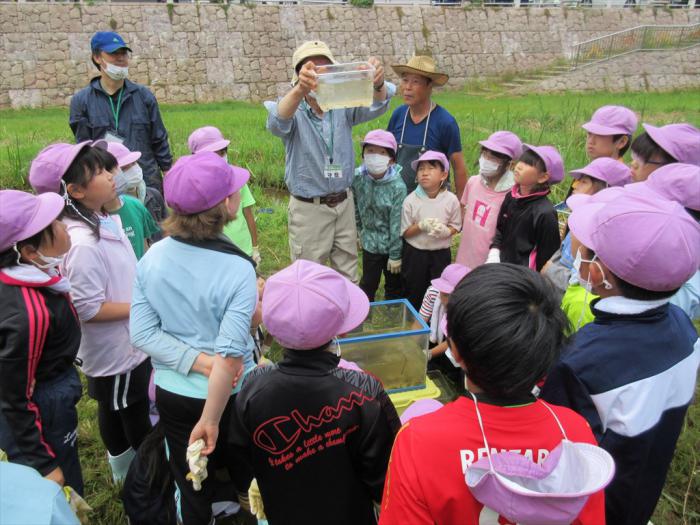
x,y
643,71
209,52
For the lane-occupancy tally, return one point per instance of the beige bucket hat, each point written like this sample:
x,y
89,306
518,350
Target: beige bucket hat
x,y
422,65
312,48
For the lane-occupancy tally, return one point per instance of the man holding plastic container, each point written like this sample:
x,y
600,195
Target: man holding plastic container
x,y
421,125
320,161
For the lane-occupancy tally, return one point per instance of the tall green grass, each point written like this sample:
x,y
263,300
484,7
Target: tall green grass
x,y
537,119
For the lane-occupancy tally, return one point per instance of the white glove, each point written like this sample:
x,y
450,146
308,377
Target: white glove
x,y
256,255
257,507
426,225
440,231
197,464
394,265
494,256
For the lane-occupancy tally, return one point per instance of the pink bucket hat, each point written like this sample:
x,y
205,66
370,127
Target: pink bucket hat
x,y
420,408
307,304
681,141
552,161
432,155
23,215
199,182
611,171
381,138
450,277
612,120
207,138
652,243
52,162
123,154
504,142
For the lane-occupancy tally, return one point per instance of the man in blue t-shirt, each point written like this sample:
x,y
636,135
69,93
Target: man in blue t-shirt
x,y
421,125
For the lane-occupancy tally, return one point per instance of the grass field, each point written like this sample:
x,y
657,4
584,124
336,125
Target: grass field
x,y
537,119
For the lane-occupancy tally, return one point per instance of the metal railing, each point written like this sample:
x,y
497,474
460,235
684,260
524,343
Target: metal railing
x,y
640,38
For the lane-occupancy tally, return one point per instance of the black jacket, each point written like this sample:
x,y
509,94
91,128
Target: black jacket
x,y
527,231
39,339
140,124
318,438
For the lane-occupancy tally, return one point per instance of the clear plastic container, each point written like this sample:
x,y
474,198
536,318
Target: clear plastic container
x,y
392,344
345,85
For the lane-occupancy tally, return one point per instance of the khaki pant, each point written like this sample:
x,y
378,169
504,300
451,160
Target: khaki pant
x,y
319,233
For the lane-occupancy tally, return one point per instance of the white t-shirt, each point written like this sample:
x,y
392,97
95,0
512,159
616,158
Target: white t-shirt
x,y
445,207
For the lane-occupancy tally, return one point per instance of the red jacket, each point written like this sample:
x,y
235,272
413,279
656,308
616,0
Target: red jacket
x,y
425,482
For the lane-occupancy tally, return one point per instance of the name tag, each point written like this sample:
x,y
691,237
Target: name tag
x,y
113,136
333,171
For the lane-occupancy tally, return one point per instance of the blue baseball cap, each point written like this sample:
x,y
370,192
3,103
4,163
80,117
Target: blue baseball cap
x,y
108,42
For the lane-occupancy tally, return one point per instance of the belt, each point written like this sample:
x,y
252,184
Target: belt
x,y
331,200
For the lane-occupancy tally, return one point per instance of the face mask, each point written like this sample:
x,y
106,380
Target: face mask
x,y
376,164
116,72
587,284
49,262
134,175
488,168
120,183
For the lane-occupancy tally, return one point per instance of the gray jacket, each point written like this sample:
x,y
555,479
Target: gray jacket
x,y
139,123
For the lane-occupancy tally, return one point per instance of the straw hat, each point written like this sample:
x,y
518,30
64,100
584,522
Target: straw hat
x,y
422,65
313,48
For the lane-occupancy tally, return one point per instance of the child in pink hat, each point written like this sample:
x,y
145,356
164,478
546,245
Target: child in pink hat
x,y
318,436
659,146
379,192
609,132
242,230
195,293
137,222
484,194
632,372
430,217
40,340
433,312
101,267
527,230
505,331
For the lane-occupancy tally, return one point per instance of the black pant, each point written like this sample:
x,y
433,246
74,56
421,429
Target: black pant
x,y
418,268
123,428
373,264
178,415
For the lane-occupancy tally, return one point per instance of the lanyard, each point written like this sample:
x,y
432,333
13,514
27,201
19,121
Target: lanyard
x,y
319,131
115,113
427,124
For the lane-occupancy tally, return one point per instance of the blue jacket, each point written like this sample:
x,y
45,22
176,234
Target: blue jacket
x,y
139,123
632,376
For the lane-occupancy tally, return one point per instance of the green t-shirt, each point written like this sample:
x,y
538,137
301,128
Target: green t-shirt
x,y
237,229
577,306
137,222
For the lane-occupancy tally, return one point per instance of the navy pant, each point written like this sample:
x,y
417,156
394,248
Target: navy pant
x,y
57,400
373,265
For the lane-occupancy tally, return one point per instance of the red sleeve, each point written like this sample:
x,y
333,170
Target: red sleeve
x,y
403,502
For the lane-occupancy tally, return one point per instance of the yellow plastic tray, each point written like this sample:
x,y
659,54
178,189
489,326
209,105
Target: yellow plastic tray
x,y
402,400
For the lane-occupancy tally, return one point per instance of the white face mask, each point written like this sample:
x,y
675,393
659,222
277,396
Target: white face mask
x,y
134,175
120,183
50,263
376,164
488,168
587,284
116,72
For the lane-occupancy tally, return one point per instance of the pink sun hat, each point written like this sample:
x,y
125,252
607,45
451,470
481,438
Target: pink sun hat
x,y
199,182
50,165
612,120
504,142
634,235
381,138
207,138
676,182
552,161
611,171
123,154
450,277
23,215
681,141
432,155
307,304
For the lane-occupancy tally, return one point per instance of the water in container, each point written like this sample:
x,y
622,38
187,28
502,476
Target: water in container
x,y
345,85
392,344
